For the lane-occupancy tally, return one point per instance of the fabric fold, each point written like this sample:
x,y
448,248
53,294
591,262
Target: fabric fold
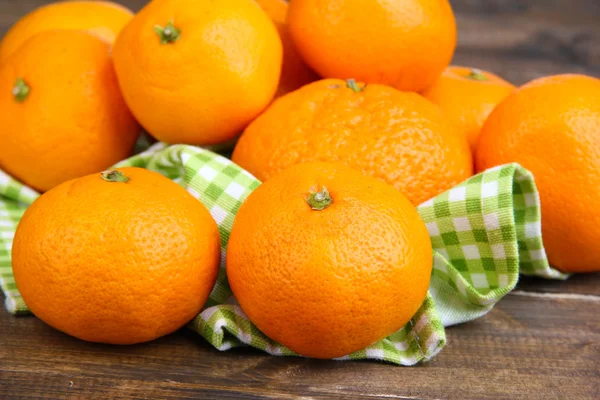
x,y
484,232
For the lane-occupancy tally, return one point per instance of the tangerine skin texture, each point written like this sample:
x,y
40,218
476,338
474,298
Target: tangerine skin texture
x,y
114,262
294,71
551,126
331,282
104,18
208,85
74,121
400,138
401,43
466,101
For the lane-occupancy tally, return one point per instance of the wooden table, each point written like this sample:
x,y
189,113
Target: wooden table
x,y
541,342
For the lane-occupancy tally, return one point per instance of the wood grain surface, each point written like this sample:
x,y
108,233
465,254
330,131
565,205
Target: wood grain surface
x,y
541,342
526,348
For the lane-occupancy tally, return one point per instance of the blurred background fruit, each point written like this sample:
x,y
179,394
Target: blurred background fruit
x,y
467,96
103,18
62,113
402,43
294,71
398,137
121,257
551,126
198,72
302,263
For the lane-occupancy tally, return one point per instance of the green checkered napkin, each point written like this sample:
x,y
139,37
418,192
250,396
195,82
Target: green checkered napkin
x,y
484,231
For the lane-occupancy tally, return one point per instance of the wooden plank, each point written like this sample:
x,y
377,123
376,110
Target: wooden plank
x,y
523,40
507,8
581,284
542,348
524,47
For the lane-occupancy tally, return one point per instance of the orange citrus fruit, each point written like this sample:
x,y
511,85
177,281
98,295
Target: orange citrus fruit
x,y
198,72
104,18
294,71
327,261
398,137
468,96
62,112
120,257
403,43
551,126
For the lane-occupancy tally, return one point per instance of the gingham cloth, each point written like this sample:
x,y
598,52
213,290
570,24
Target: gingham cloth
x,y
481,230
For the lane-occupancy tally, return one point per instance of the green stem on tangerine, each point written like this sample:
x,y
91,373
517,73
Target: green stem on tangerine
x,y
113,175
477,75
168,34
20,90
351,83
319,200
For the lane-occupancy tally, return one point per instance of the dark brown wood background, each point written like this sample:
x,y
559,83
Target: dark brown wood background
x,y
518,39
541,342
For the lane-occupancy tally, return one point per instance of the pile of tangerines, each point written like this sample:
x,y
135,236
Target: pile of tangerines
x,y
349,112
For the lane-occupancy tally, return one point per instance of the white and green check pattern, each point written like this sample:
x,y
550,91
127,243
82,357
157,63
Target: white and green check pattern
x,y
484,232
481,230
